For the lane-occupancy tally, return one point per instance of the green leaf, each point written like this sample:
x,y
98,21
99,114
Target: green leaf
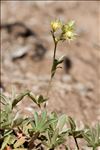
x,y
87,138
41,99
32,97
72,123
5,142
60,60
19,98
54,67
12,140
17,122
55,135
53,116
19,142
8,132
92,136
4,98
61,122
67,148
43,119
36,118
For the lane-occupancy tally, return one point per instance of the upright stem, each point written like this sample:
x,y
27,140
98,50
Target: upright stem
x,y
54,55
55,50
55,45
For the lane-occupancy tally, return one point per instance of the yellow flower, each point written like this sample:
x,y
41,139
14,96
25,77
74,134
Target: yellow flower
x,y
68,31
68,35
55,25
68,27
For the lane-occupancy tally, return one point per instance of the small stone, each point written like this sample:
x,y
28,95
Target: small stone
x,y
19,53
66,78
81,88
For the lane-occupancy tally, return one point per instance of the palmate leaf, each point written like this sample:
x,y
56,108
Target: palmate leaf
x,y
61,122
56,132
43,119
53,116
92,136
54,139
37,125
6,118
41,122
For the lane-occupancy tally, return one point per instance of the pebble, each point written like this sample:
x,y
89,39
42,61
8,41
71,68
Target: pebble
x,y
19,53
82,89
66,78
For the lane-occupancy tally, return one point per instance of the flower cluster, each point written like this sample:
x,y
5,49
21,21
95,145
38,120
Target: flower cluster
x,y
67,30
55,25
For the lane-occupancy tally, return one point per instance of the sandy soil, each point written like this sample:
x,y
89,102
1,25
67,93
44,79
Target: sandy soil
x,y
76,93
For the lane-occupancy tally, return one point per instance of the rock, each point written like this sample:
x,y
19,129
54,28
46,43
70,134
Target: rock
x,y
44,78
66,78
63,86
19,53
82,89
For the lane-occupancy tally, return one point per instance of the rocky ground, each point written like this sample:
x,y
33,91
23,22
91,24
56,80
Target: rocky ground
x,y
27,50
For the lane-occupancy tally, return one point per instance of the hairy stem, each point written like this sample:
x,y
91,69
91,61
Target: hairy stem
x,y
54,55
